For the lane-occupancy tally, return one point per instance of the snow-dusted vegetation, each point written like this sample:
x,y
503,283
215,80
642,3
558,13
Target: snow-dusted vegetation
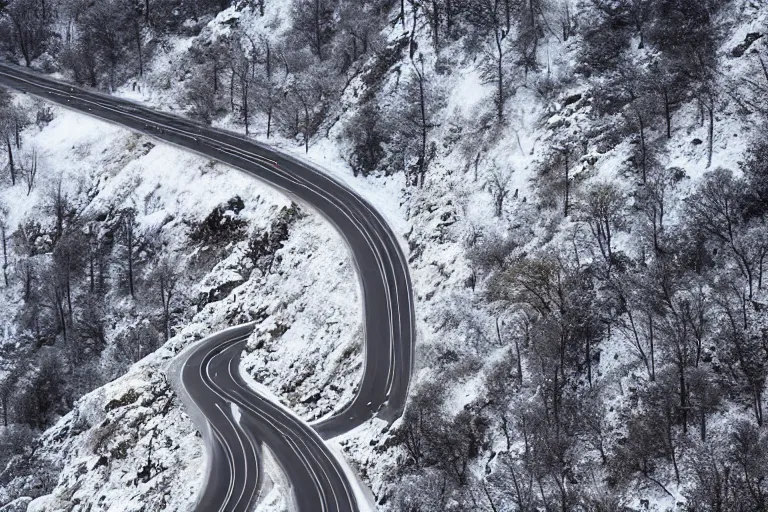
x,y
581,187
210,249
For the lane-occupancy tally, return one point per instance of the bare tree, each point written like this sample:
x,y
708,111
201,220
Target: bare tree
x,y
26,271
31,26
269,90
515,482
134,18
314,24
166,277
106,30
4,236
7,388
745,351
705,397
749,457
498,183
54,298
200,94
368,133
654,201
650,436
358,32
566,18
130,239
421,419
28,168
59,206
716,209
593,423
490,17
81,57
420,120
68,262
242,75
709,102
6,131
603,212
679,347
91,330
663,81
304,107
637,324
304,100
563,159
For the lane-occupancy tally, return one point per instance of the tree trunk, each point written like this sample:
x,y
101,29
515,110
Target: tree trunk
x,y
758,404
608,243
650,339
245,103
268,62
505,428
23,44
567,185
69,295
711,142
165,298
556,404
422,101
500,76
27,281
643,154
137,35
232,91
129,246
91,275
683,398
130,274
671,443
60,310
532,14
436,25
306,125
318,36
11,165
5,255
588,355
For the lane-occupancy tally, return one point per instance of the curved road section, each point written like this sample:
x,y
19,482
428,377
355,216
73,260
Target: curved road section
x,y
235,420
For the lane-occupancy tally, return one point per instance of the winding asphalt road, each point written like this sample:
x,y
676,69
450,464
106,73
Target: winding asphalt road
x,y
236,421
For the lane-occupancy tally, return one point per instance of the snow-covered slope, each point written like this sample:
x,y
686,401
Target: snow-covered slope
x,y
129,445
489,386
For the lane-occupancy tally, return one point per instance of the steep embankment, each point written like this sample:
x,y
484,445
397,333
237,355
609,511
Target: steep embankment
x,y
240,253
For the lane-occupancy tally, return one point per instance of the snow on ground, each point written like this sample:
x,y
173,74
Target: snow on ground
x,y
302,340
361,492
129,445
431,225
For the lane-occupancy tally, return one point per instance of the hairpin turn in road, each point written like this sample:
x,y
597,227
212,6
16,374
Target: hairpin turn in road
x,y
235,420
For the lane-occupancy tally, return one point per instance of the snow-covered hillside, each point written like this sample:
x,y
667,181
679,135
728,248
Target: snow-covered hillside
x,y
129,445
580,189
